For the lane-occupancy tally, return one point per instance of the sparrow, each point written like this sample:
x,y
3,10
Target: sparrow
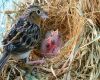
x,y
24,35
51,44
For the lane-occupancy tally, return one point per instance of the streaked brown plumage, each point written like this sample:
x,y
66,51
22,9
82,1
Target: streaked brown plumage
x,y
24,34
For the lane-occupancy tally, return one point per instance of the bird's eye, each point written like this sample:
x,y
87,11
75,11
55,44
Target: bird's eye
x,y
53,42
47,45
38,11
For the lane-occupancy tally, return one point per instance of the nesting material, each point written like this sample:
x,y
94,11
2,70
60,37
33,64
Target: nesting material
x,y
78,22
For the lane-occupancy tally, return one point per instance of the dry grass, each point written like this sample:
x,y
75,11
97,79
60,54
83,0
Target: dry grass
x,y
79,24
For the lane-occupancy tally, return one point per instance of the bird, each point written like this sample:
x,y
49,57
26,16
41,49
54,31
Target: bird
x,y
51,44
24,35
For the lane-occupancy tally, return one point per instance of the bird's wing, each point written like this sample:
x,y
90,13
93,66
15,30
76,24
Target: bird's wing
x,y
22,37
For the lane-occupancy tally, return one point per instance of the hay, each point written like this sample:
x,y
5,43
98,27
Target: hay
x,y
79,24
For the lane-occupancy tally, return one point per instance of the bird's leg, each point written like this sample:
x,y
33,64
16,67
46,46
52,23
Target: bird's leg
x,y
38,58
42,61
27,61
36,62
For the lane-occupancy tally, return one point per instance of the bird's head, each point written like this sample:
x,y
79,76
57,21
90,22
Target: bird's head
x,y
51,44
35,13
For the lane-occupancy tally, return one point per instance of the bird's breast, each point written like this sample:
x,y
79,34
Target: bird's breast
x,y
21,55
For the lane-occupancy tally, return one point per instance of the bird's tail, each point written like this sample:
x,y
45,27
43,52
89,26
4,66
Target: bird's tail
x,y
3,60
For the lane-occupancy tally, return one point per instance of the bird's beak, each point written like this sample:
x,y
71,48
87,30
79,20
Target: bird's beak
x,y
44,16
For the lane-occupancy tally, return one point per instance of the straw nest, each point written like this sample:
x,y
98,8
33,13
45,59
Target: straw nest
x,y
78,21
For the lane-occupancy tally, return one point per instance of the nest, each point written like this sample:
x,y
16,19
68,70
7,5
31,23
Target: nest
x,y
78,22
